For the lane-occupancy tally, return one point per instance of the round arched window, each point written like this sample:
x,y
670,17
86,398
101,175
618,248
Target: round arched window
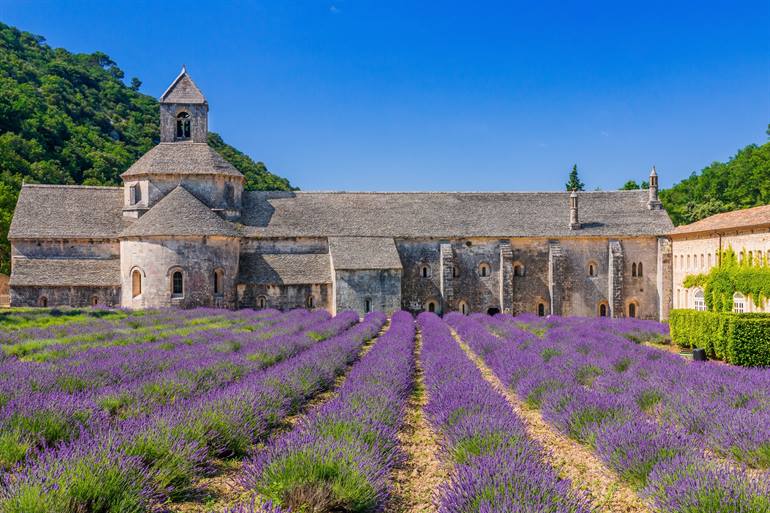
x,y
485,270
177,283
425,271
463,308
183,125
261,302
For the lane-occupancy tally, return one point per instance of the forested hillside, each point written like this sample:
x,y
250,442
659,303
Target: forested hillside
x,y
741,182
71,119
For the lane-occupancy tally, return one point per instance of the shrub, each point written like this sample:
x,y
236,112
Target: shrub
x,y
740,339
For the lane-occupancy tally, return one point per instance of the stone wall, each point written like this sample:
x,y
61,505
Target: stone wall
x,y
196,257
86,248
210,190
65,296
198,121
381,287
285,297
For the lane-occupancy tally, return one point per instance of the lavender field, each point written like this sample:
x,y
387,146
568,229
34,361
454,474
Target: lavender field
x,y
266,411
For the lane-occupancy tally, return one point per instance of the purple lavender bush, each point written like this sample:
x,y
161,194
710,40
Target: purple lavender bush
x,y
498,468
339,457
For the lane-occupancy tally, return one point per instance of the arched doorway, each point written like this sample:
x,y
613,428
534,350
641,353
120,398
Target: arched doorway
x,y
493,310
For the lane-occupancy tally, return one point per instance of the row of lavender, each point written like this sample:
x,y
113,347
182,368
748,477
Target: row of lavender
x,y
132,464
646,412
56,342
45,404
340,456
497,467
728,407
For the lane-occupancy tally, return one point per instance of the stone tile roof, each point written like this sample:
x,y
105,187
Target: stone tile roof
x,y
737,219
65,272
179,213
183,90
449,214
284,268
364,253
181,158
68,212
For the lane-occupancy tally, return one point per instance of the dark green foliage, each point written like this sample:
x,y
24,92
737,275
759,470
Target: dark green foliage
x,y
741,182
632,185
574,183
740,339
70,119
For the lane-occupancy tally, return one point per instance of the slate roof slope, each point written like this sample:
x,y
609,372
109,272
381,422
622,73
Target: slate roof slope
x,y
351,253
284,268
65,272
746,218
181,158
68,212
449,214
180,213
183,90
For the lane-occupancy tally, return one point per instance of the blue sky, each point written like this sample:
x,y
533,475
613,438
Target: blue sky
x,y
408,95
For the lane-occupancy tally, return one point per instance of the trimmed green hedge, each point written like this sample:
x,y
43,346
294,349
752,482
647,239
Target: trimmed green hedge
x,y
741,339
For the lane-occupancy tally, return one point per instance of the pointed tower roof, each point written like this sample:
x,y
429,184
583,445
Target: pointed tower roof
x,y
180,213
183,90
653,172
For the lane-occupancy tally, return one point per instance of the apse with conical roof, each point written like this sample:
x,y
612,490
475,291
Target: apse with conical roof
x,y
183,157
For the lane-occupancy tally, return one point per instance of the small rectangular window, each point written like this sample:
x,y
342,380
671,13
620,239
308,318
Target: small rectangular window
x,y
135,194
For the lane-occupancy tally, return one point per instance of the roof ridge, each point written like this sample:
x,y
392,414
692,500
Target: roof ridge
x,y
71,186
633,191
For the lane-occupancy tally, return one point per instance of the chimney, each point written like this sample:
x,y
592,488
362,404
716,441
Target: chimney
x,y
574,223
654,203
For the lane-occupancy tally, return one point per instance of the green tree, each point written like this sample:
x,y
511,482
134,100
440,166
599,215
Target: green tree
x,y
574,183
741,182
630,186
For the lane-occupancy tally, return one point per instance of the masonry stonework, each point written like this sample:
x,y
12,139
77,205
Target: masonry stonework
x,y
183,209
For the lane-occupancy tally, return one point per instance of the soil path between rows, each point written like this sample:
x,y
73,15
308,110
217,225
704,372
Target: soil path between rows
x,y
571,459
223,490
417,479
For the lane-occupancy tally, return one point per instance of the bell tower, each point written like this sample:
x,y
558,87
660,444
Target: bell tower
x,y
184,112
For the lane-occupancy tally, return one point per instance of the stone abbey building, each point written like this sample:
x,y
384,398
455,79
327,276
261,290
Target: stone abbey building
x,y
183,232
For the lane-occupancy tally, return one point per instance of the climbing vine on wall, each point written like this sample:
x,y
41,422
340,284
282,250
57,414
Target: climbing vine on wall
x,y
749,276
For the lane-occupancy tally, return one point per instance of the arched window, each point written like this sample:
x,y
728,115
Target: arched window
x,y
518,269
591,269
455,271
633,310
688,262
310,302
751,258
678,298
367,305
177,283
639,270
462,306
603,310
425,271
484,270
709,260
633,269
541,309
94,300
739,302
431,306
702,263
136,283
219,276
261,302
183,125
700,301
42,301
